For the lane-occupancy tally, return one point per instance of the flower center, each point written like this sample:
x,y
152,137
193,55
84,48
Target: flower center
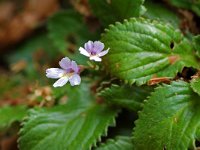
x,y
93,53
69,72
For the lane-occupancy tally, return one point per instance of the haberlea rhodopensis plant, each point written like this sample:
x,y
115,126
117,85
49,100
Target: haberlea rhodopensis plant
x,y
120,75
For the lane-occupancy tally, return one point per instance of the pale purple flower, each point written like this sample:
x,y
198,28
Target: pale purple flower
x,y
69,71
93,50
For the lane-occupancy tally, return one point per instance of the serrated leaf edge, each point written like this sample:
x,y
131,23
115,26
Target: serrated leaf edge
x,y
112,123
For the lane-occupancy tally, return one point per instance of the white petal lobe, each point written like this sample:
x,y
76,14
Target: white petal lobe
x,y
95,58
99,46
54,73
60,82
65,63
84,52
75,80
74,66
88,46
103,53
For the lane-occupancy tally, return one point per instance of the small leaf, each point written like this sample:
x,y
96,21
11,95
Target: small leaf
x,y
130,97
67,28
169,119
142,49
195,85
119,143
110,11
61,25
10,114
196,43
75,126
31,53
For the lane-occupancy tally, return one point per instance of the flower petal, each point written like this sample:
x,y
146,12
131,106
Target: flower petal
x,y
54,73
95,58
65,63
60,82
74,66
75,80
98,47
84,52
103,53
89,46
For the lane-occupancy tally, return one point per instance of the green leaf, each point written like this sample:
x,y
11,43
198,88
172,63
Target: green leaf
x,y
75,126
130,97
10,114
195,85
119,143
141,49
159,11
193,5
169,119
196,44
110,11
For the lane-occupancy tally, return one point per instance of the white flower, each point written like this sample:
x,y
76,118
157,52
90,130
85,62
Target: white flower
x,y
93,50
69,71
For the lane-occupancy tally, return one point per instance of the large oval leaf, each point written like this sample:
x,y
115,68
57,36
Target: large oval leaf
x,y
75,126
141,49
169,120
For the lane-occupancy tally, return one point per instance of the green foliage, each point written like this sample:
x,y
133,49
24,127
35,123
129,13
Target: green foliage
x,y
77,125
10,114
196,43
195,85
169,120
193,5
141,49
159,11
116,10
130,97
119,143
